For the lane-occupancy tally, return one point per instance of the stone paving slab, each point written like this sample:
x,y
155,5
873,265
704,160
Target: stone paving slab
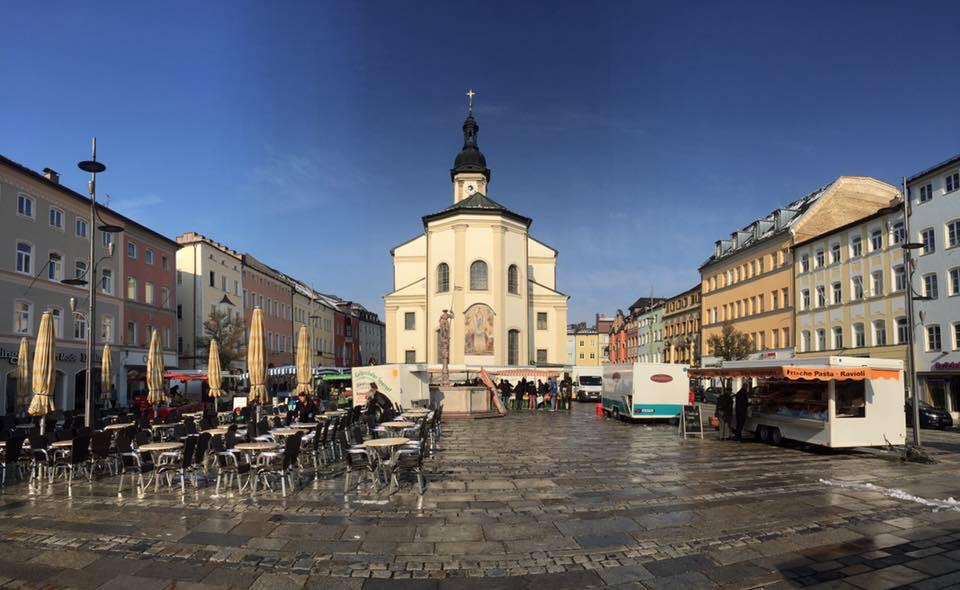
x,y
560,512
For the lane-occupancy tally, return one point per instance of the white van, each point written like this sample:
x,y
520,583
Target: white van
x,y
645,391
588,383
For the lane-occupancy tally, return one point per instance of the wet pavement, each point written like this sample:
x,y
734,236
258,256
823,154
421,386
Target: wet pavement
x,y
529,501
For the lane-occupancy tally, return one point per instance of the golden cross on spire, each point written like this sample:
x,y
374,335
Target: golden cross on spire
x,y
470,95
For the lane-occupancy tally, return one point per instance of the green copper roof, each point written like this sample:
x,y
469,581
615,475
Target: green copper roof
x,y
477,203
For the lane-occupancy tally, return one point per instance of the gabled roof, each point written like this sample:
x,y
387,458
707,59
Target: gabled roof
x,y
477,203
948,162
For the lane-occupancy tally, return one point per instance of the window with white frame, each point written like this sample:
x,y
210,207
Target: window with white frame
x,y
409,320
837,292
859,339
541,320
929,240
821,296
166,337
148,255
24,258
56,218
25,206
805,341
80,269
835,253
953,233
223,283
818,258
478,275
80,227
106,329
857,290
57,314
165,297
903,330
838,337
131,333
79,326
410,356
899,234
876,240
805,299
934,342
954,274
930,286
55,267
926,192
106,238
856,247
148,293
22,317
879,333
899,278
541,356
821,339
952,182
513,280
131,288
804,263
106,281
876,283
131,249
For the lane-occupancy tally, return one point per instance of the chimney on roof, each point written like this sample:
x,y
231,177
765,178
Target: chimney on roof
x,y
51,175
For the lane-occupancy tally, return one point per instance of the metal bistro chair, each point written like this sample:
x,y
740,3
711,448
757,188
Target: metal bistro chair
x,y
405,460
180,467
74,460
41,457
132,462
10,455
231,465
101,454
282,465
361,462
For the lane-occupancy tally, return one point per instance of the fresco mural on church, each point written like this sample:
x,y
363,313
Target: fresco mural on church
x,y
478,324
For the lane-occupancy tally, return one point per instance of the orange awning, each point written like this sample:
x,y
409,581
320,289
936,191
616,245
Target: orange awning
x,y
801,373
185,376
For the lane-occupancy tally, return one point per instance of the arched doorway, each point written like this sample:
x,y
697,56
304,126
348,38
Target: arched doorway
x,y
80,390
10,393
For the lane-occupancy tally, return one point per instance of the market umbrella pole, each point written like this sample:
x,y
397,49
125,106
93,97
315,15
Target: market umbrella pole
x,y
23,377
155,374
256,362
213,374
43,371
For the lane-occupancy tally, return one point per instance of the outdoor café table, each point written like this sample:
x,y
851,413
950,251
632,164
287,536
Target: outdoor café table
x,y
62,444
283,432
219,430
304,426
397,425
118,426
257,448
384,443
163,428
160,447
24,426
416,412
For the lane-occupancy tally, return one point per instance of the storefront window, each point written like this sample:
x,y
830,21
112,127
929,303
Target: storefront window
x,y
851,399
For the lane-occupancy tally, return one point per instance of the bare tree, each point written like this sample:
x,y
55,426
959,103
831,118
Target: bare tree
x,y
730,344
228,332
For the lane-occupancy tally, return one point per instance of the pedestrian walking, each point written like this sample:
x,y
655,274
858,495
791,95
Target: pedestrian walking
x,y
724,413
518,393
505,391
554,394
742,401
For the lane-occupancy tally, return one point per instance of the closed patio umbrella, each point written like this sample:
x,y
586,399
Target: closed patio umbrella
x,y
213,373
256,362
43,371
155,393
23,377
303,363
106,375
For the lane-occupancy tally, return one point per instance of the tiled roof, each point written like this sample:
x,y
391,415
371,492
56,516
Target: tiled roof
x,y
477,203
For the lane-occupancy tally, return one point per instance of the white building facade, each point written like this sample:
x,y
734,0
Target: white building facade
x,y
935,222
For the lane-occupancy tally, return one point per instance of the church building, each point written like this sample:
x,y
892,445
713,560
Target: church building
x,y
477,259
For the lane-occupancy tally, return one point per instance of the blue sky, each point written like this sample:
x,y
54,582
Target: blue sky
x,y
315,135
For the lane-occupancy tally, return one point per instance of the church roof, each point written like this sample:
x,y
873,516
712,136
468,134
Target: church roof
x,y
477,203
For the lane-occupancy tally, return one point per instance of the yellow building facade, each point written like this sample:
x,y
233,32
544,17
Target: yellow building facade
x,y
477,259
587,349
850,286
748,282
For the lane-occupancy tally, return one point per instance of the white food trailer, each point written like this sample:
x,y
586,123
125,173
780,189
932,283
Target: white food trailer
x,y
645,391
832,401
407,384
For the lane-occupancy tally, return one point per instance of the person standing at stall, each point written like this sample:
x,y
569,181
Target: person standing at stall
x,y
724,413
742,401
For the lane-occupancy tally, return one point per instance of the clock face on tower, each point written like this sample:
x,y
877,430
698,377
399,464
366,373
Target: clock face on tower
x,y
470,189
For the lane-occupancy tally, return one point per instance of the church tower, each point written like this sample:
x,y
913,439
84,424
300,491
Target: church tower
x,y
469,173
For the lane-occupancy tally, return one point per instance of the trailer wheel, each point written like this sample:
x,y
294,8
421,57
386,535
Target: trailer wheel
x,y
763,433
775,436
616,413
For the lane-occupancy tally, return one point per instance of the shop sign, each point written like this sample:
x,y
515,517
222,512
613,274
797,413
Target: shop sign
x,y
9,355
61,357
947,366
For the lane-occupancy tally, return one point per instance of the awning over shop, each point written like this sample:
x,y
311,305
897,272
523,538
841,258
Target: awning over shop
x,y
535,373
185,376
800,373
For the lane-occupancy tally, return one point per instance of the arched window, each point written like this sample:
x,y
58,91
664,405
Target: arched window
x,y
513,347
513,280
478,276
443,278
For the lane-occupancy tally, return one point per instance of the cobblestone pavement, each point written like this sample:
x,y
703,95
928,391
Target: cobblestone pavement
x,y
528,501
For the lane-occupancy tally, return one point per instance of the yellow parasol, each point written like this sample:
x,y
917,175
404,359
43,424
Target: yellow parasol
x,y
303,363
256,361
43,371
213,372
155,393
106,375
23,376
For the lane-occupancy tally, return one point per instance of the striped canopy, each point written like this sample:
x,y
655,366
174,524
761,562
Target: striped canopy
x,y
303,362
43,369
213,370
23,376
256,360
106,375
155,393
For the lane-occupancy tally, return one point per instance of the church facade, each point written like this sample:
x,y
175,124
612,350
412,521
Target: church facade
x,y
477,259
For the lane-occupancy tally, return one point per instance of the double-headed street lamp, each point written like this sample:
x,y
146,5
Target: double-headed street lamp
x,y
93,167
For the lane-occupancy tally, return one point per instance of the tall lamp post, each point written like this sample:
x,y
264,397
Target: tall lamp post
x,y
908,248
93,167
